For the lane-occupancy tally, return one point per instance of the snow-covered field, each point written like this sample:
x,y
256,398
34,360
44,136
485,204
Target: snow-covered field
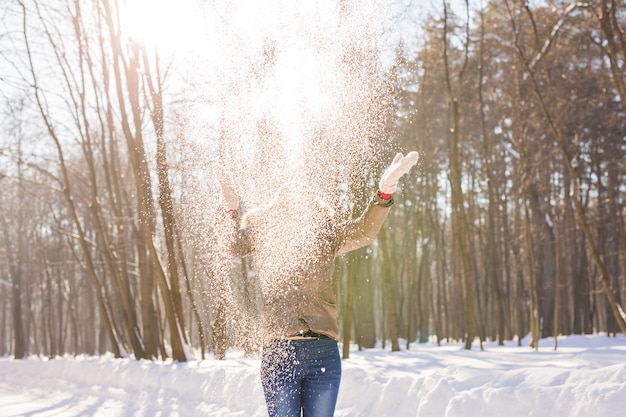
x,y
585,377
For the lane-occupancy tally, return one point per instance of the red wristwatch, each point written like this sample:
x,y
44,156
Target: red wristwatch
x,y
384,196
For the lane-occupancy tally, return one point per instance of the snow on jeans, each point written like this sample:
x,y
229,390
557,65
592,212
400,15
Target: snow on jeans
x,y
301,375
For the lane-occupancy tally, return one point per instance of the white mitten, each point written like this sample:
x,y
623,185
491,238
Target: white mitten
x,y
229,200
400,166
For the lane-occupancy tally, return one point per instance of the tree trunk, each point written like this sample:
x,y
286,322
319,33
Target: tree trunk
x,y
65,183
455,180
15,282
364,302
348,308
532,280
165,192
555,128
390,301
616,45
130,68
492,204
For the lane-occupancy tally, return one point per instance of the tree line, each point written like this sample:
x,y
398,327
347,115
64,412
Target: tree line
x,y
512,225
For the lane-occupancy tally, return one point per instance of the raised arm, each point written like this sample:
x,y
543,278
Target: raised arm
x,y
235,241
360,232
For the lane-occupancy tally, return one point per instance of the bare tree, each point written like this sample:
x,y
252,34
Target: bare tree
x,y
455,168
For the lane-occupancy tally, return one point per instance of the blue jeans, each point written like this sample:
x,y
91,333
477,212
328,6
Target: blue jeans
x,y
301,375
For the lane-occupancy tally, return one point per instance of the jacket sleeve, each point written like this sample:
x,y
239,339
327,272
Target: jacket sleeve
x,y
355,234
238,241
242,243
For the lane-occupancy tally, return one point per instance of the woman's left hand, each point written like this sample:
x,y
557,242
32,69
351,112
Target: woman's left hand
x,y
400,166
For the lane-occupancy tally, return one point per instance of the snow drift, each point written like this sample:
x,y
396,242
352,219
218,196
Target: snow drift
x,y
586,376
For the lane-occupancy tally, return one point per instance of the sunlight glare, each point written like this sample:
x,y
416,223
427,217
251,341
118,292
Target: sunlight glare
x,y
168,26
286,66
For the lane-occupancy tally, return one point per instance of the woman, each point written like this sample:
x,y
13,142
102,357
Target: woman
x,y
294,243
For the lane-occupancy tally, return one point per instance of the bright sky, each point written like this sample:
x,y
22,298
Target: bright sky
x,y
169,24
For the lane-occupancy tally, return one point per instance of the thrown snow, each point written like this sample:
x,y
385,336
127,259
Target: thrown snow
x,y
586,376
284,96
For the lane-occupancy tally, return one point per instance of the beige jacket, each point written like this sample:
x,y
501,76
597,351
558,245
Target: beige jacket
x,y
310,303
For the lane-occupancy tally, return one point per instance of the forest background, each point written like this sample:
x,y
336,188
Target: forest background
x,y
513,223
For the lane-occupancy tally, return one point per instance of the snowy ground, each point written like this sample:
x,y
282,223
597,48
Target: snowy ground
x,y
586,377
